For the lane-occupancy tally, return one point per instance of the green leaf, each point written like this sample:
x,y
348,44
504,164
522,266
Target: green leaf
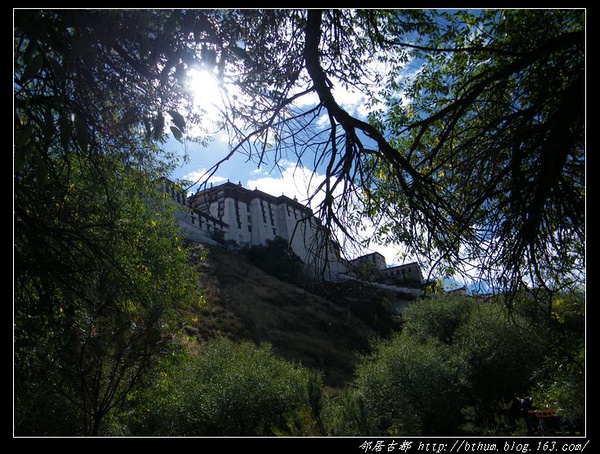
x,y
177,134
178,119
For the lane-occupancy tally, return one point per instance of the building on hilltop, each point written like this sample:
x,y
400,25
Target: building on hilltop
x,y
369,263
374,267
196,225
408,274
230,212
251,217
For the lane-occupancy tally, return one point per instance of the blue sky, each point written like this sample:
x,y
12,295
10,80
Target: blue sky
x,y
291,182
288,179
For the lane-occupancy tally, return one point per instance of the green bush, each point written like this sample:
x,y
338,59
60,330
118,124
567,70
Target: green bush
x,y
455,369
226,389
438,317
410,387
345,414
499,353
276,258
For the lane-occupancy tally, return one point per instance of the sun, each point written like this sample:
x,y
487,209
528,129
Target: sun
x,y
205,89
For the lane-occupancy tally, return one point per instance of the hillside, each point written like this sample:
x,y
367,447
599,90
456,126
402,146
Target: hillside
x,y
323,328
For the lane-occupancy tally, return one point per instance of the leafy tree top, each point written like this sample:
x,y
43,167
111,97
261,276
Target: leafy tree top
x,y
474,160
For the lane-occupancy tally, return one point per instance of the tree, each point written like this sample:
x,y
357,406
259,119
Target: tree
x,y
99,283
500,353
100,269
399,385
225,389
481,355
469,163
500,157
560,381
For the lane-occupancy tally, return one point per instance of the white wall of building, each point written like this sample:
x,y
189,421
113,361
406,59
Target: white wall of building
x,y
253,217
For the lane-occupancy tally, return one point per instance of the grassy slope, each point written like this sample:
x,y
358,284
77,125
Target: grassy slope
x,y
323,329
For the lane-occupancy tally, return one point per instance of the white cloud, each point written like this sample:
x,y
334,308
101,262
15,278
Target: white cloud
x,y
259,171
301,183
307,100
293,181
201,176
222,137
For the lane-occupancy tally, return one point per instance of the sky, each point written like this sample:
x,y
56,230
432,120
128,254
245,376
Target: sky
x,y
289,179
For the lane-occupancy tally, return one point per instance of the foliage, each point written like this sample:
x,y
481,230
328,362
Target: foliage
x,y
497,349
97,284
466,159
367,270
470,162
401,383
501,347
346,415
100,270
480,355
226,389
438,318
278,259
490,162
560,381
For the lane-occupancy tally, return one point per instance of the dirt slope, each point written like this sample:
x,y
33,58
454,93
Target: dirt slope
x,y
324,328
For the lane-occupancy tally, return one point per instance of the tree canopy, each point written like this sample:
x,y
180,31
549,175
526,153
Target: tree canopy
x,y
472,156
100,271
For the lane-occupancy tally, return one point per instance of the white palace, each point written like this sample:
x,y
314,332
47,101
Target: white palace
x,y
230,212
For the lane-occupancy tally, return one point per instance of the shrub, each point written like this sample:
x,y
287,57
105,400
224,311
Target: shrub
x,y
276,258
227,389
409,387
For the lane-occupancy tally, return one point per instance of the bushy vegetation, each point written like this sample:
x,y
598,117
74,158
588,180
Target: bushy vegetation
x,y
485,166
276,258
225,389
458,367
101,277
